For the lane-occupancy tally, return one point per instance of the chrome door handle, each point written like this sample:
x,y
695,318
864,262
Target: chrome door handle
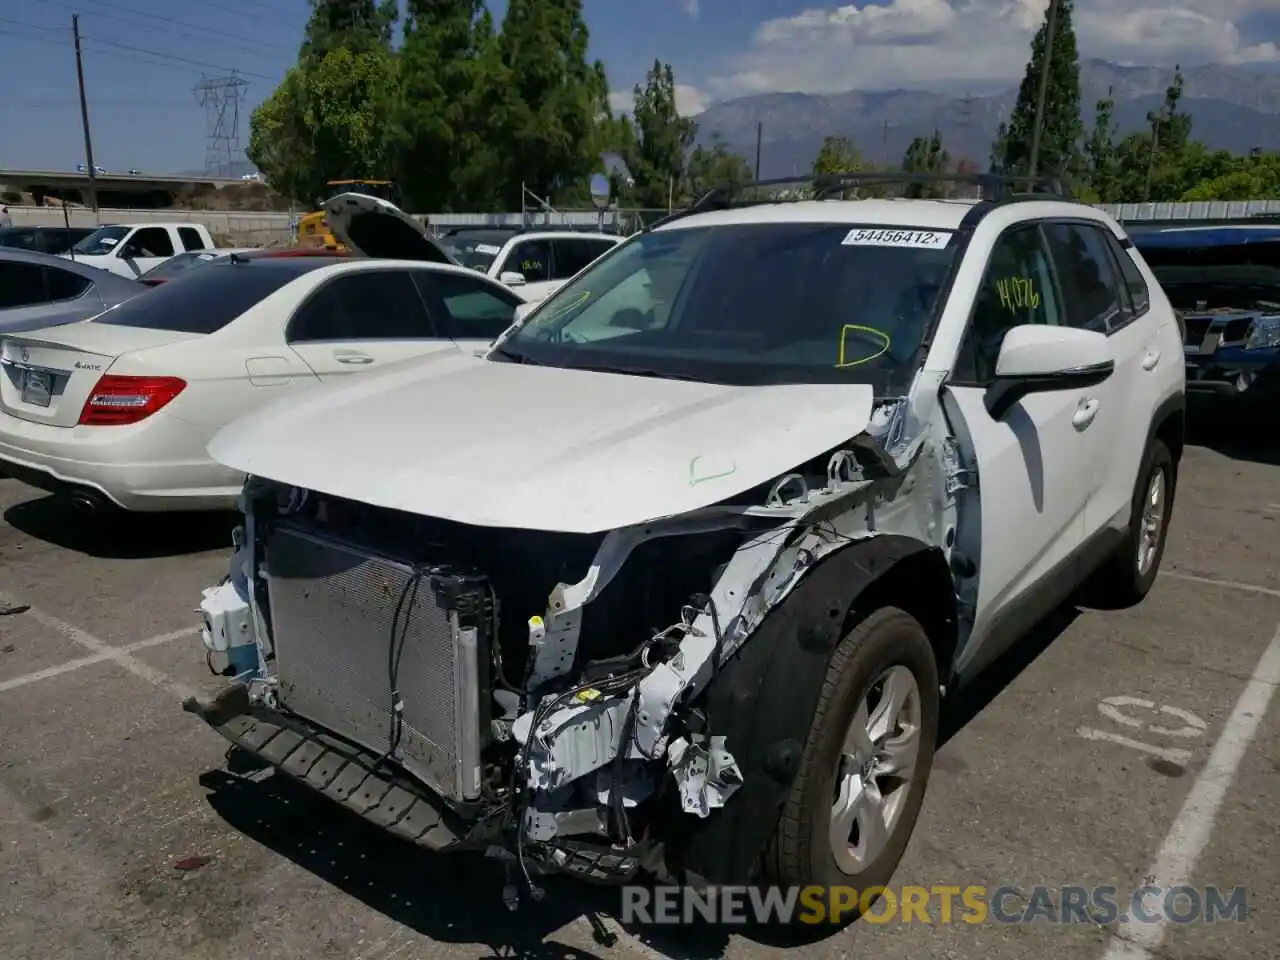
x,y
357,358
1085,412
1151,359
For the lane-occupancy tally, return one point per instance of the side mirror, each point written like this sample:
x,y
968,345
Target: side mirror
x,y
1036,358
523,310
127,252
511,278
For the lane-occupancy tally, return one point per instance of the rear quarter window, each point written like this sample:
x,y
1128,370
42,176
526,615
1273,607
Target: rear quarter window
x,y
203,301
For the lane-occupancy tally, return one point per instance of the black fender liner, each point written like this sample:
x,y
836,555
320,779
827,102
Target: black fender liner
x,y
763,703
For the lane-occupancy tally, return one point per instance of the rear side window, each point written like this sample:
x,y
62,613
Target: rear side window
x,y
368,305
1139,295
204,301
150,242
21,285
474,310
22,239
191,238
1090,285
572,256
63,284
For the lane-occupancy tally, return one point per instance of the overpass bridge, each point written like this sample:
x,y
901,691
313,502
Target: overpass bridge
x,y
113,189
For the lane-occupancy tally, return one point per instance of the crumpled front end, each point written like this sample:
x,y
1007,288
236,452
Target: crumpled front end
x,y
535,695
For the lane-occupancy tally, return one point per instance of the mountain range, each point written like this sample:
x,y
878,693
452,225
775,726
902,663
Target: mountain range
x,y
1232,108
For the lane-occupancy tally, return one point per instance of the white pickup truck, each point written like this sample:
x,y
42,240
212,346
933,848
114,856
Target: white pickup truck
x,y
131,249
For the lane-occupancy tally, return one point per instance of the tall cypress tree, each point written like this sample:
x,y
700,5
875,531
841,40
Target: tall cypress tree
x,y
551,121
357,25
1062,129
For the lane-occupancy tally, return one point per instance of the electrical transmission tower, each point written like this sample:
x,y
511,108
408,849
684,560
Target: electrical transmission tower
x,y
221,98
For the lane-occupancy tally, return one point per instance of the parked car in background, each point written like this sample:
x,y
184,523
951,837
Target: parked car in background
x,y
40,290
182,263
1224,282
131,249
537,262
44,239
98,170
118,410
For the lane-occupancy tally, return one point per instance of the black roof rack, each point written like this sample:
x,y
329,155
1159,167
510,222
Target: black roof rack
x,y
995,188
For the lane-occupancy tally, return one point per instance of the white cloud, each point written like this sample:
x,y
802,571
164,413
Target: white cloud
x,y
915,42
690,8
689,100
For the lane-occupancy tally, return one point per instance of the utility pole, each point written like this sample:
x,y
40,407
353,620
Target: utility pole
x,y
759,137
84,119
1052,28
884,144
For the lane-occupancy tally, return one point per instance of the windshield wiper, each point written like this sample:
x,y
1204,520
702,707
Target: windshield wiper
x,y
509,354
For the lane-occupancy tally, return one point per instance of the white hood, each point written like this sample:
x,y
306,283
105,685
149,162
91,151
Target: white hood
x,y
512,445
373,227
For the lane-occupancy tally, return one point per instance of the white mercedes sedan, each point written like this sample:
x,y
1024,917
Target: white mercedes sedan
x,y
117,410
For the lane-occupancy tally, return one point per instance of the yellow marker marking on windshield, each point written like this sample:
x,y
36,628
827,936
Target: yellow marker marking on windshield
x,y
1018,293
546,317
842,361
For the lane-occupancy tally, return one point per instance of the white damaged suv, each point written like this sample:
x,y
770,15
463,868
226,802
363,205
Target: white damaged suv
x,y
675,578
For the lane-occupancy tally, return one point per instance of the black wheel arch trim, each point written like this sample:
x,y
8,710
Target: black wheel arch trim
x,y
1173,406
766,724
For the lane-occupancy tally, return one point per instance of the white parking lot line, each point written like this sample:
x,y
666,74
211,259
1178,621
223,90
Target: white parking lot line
x,y
1228,584
1191,830
60,669
119,655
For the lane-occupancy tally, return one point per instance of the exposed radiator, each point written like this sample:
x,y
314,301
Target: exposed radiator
x,y
332,606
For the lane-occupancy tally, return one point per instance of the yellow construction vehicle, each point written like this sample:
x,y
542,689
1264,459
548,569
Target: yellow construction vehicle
x,y
312,229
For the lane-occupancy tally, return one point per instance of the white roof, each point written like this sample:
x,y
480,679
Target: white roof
x,y
926,214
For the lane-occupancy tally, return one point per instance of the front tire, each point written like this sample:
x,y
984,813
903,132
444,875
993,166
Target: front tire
x,y
866,762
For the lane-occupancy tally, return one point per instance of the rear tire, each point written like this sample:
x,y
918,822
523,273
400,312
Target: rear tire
x,y
829,834
1127,576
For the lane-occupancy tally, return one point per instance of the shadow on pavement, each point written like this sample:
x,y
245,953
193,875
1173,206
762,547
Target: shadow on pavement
x,y
119,535
448,898
1241,433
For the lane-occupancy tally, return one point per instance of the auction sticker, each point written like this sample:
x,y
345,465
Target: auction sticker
x,y
880,237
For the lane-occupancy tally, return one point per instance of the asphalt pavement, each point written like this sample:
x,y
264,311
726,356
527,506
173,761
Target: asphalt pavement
x,y
1112,748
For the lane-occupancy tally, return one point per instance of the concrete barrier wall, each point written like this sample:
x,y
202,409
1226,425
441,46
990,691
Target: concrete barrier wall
x,y
240,228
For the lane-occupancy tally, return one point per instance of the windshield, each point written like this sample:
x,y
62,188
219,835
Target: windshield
x,y
101,241
475,250
749,304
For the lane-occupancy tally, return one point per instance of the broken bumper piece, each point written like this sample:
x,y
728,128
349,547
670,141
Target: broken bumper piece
x,y
341,772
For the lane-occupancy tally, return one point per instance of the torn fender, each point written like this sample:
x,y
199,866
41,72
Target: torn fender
x,y
763,702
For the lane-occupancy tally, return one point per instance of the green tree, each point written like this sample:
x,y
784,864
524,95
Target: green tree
x,y
358,25
715,166
926,155
662,138
1253,179
838,155
1102,173
444,106
545,128
1062,127
329,120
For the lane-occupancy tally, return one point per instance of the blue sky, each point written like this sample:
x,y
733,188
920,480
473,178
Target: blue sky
x,y
142,58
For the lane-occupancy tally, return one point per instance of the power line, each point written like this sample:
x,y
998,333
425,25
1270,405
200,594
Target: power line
x,y
129,48
126,16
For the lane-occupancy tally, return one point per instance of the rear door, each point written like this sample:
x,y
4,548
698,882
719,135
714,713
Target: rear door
x,y
362,321
1098,298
